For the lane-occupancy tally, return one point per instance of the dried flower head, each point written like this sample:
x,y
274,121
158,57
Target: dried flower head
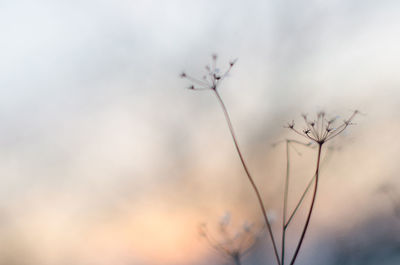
x,y
213,77
321,129
231,242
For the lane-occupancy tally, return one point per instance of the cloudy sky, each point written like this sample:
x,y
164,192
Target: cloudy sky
x,y
105,157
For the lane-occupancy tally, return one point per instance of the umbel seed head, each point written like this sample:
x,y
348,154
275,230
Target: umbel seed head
x,y
321,130
213,77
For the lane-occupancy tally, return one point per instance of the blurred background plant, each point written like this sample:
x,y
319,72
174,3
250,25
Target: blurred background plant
x,y
233,243
390,190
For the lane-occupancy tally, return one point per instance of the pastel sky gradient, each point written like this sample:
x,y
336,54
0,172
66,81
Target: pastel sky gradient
x,y
106,158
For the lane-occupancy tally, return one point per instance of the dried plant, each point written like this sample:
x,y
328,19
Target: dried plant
x,y
211,81
231,242
319,131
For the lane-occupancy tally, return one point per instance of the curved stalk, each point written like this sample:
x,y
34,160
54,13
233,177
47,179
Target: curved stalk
x,y
260,201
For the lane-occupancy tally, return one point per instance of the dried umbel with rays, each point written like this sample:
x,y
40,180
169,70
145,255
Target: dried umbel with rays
x,y
211,81
319,131
212,78
322,129
230,241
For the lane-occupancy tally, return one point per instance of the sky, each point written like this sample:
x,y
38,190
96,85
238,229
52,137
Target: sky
x,y
106,157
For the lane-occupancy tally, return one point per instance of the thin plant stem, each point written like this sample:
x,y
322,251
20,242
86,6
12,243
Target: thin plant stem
x,y
260,201
311,207
285,200
310,182
285,196
300,201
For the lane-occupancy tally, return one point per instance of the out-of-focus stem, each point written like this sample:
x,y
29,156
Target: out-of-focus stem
x,y
285,199
236,259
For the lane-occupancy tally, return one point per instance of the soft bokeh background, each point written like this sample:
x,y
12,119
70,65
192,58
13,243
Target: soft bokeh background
x,y
105,158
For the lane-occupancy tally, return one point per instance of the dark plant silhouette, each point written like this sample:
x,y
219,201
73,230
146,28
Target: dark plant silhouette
x,y
319,131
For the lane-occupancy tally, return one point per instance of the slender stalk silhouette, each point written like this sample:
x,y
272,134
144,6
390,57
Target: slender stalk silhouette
x,y
211,81
259,198
311,207
285,200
